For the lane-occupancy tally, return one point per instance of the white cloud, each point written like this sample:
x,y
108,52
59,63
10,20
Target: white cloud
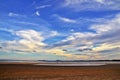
x,y
111,25
67,20
80,35
107,46
64,19
37,13
32,36
11,14
30,41
54,33
51,34
100,1
42,6
101,28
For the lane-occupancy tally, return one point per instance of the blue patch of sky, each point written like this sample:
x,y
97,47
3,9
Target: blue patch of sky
x,y
52,40
6,36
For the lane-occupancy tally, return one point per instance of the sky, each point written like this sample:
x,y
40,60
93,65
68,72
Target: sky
x,y
60,29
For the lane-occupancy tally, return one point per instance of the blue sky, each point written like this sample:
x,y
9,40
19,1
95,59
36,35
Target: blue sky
x,y
59,29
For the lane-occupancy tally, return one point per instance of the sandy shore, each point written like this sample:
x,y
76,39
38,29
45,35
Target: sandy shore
x,y
19,71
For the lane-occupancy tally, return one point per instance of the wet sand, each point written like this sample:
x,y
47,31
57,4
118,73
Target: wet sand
x,y
20,71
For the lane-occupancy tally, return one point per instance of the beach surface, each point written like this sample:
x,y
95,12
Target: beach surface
x,y
27,71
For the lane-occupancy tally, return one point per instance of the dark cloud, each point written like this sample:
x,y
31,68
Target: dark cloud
x,y
81,54
0,47
111,36
85,49
64,49
60,44
80,45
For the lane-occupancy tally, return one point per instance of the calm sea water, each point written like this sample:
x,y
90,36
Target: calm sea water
x,y
76,63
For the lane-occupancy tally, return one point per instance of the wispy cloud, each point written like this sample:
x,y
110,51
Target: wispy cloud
x,y
65,19
7,30
27,23
91,5
54,33
12,14
101,1
51,33
42,6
